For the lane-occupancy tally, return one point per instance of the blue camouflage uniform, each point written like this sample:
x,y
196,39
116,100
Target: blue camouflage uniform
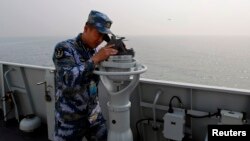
x,y
77,110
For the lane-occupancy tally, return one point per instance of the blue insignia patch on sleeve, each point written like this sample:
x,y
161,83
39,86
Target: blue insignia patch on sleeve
x,y
59,53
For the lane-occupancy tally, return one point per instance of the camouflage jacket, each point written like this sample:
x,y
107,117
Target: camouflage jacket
x,y
74,73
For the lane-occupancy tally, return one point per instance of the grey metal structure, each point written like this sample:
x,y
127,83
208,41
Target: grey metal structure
x,y
23,81
196,99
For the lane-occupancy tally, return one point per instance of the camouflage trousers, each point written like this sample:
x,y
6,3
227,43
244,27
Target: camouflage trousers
x,y
75,131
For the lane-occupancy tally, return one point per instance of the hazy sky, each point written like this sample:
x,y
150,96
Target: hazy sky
x,y
130,17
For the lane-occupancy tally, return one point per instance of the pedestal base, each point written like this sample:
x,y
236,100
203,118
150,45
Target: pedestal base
x,y
119,121
120,136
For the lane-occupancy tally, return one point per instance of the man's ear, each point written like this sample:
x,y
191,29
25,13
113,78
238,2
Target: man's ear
x,y
85,28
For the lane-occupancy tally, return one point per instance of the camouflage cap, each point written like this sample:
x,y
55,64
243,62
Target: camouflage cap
x,y
100,21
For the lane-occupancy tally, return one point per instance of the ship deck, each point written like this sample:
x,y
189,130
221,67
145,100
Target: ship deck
x,y
9,131
197,100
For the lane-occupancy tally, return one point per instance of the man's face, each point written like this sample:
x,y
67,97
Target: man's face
x,y
95,38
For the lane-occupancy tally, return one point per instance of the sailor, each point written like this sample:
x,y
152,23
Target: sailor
x,y
77,110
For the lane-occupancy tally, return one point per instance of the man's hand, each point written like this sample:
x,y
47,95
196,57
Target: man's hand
x,y
104,53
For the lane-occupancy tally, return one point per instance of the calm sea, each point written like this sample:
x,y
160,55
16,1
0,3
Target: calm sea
x,y
210,60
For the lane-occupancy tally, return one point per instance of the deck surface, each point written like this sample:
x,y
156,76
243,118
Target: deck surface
x,y
9,131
